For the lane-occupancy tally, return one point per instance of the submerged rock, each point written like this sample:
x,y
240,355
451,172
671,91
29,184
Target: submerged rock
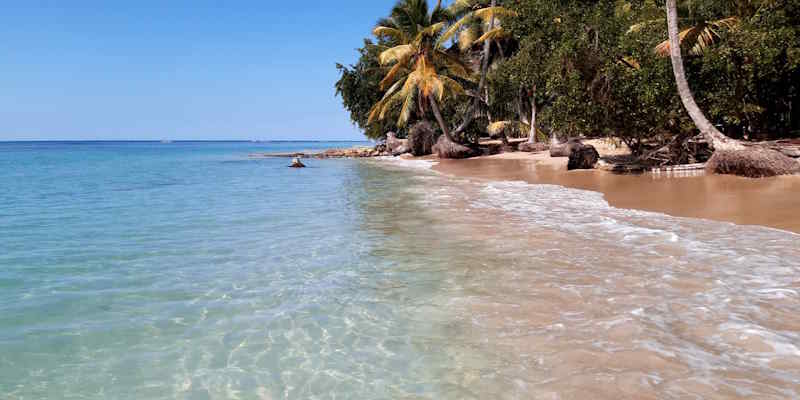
x,y
583,157
296,163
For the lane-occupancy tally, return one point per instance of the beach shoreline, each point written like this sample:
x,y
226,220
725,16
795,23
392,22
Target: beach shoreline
x,y
769,202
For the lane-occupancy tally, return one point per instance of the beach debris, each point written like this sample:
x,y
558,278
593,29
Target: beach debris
x,y
296,163
754,162
583,156
421,138
445,148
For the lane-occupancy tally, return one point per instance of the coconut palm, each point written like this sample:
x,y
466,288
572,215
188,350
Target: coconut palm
x,y
476,22
714,136
420,73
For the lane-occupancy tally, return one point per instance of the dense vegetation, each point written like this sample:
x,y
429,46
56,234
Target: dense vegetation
x,y
590,68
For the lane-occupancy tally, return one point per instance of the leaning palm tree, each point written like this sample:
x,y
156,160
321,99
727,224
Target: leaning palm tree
x,y
731,156
420,73
715,137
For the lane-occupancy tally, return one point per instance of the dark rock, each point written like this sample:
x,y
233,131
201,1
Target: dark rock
x,y
446,148
533,147
421,139
583,157
296,163
564,149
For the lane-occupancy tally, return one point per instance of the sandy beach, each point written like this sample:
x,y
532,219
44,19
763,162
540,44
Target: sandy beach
x,y
771,202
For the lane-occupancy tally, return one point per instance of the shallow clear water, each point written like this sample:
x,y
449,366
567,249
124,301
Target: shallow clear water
x,y
160,270
188,270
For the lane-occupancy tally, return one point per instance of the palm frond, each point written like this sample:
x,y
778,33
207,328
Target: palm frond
x,y
396,53
455,65
494,34
486,14
394,33
702,36
630,62
452,85
467,37
405,110
663,48
453,29
392,74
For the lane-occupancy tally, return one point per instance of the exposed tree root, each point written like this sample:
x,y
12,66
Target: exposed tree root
x,y
446,148
754,162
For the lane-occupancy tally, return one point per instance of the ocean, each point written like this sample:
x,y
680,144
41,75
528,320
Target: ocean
x,y
190,270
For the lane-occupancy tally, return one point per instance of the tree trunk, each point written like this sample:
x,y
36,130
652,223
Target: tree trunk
x,y
523,117
532,136
439,119
500,48
487,47
715,137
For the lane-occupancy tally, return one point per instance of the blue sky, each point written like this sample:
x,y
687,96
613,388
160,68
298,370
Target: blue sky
x,y
160,69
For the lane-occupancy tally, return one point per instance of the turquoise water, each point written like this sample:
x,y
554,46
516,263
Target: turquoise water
x,y
193,271
188,270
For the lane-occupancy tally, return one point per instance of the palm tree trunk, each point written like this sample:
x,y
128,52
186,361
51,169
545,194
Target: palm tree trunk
x,y
439,119
532,136
714,137
487,47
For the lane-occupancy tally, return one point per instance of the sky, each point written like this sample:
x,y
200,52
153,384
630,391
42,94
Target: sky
x,y
178,70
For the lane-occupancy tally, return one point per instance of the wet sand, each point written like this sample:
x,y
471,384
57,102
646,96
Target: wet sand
x,y
771,202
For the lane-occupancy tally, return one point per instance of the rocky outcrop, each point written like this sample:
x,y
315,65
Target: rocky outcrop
x,y
355,152
582,156
296,163
421,139
564,149
395,146
533,147
446,148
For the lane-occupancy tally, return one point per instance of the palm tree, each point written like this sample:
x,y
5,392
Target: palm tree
x,y
714,136
422,73
476,17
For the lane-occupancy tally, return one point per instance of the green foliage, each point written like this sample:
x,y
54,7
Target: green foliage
x,y
359,89
592,68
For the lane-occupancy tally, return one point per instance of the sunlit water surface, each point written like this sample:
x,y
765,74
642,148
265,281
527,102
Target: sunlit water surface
x,y
191,271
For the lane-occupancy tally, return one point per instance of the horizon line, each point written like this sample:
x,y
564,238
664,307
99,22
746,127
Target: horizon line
x,y
180,141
